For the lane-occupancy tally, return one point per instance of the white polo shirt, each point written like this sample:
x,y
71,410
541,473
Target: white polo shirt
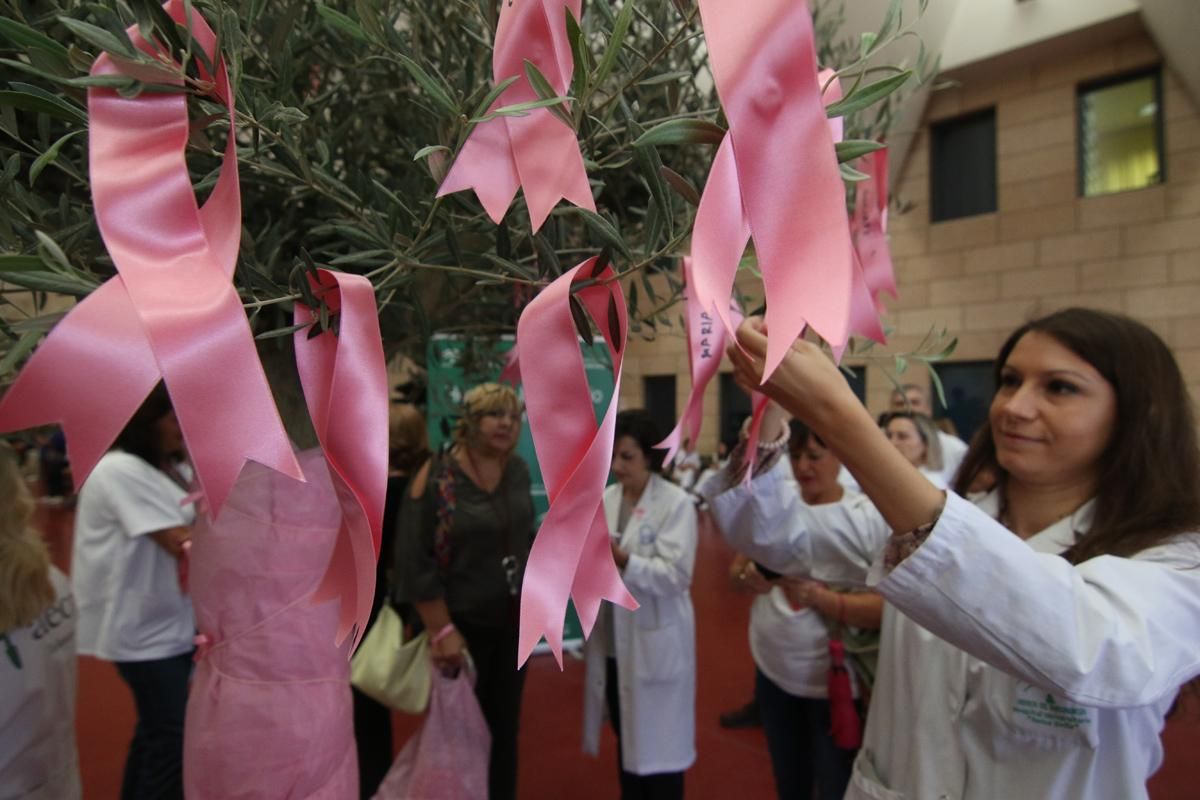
x,y
38,760
126,586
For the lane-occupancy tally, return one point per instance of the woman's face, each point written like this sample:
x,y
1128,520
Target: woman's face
x,y
1053,413
629,464
168,434
816,470
903,434
498,430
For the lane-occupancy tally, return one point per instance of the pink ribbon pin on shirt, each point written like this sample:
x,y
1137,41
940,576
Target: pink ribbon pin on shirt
x,y
537,151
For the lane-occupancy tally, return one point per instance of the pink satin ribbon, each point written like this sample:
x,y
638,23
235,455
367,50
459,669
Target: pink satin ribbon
x,y
706,344
869,225
780,151
571,555
538,151
344,378
172,312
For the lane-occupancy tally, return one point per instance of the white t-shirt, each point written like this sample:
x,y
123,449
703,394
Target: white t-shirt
x,y
127,589
38,759
790,647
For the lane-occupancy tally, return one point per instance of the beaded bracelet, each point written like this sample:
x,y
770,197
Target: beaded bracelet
x,y
778,444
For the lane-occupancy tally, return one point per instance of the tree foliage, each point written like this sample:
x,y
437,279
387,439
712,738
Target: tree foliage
x,y
348,114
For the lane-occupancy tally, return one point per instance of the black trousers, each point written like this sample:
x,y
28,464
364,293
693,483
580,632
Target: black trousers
x,y
659,786
373,738
803,755
154,767
498,687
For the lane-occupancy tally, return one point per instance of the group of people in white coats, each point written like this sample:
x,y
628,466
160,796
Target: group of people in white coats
x,y
1036,635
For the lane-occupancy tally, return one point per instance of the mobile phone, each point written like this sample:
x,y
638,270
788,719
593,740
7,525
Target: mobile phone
x,y
767,572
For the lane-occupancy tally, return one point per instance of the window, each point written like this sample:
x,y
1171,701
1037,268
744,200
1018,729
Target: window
x,y
659,391
857,378
735,407
1121,134
962,167
969,386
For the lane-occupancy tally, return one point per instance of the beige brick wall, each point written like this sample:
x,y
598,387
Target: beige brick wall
x,y
1044,248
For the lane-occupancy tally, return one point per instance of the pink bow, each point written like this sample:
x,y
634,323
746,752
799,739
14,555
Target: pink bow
x,y
172,312
538,151
571,555
345,386
778,165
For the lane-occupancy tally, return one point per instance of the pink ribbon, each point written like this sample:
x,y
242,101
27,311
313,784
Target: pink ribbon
x,y
780,150
571,555
869,225
706,346
344,377
172,312
538,151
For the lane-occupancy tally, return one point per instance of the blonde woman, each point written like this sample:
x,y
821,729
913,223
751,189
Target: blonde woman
x,y
462,541
37,655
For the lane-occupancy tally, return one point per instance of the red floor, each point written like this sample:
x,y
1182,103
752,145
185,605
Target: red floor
x,y
731,764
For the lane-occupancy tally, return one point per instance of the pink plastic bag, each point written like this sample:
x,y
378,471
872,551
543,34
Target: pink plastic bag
x,y
447,758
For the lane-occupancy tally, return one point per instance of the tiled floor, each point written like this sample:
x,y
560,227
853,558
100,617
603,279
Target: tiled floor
x,y
731,764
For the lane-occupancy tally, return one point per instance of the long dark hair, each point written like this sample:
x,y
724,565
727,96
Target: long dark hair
x,y
1148,487
139,437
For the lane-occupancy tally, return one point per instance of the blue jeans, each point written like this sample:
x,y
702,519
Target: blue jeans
x,y
803,755
154,767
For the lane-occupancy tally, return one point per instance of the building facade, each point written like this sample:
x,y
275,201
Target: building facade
x,y
980,246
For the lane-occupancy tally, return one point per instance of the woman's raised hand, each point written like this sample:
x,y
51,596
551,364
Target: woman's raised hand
x,y
807,383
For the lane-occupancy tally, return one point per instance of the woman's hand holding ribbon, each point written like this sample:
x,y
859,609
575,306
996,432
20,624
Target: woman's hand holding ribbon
x,y
807,383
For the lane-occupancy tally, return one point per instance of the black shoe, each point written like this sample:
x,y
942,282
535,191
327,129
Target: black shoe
x,y
744,717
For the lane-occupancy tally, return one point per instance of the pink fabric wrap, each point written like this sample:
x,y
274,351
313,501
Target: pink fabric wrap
x,y
172,312
571,555
269,714
537,151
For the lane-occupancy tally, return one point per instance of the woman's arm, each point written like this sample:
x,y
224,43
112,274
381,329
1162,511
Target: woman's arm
x,y
858,609
1111,631
418,573
172,539
809,386
768,521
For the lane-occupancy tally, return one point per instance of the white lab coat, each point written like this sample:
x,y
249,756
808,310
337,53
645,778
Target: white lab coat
x,y
1004,670
656,644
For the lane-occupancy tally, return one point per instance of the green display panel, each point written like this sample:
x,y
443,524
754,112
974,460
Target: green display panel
x,y
456,363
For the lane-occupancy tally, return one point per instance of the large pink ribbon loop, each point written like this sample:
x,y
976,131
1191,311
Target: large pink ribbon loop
x,y
172,312
571,556
764,61
537,151
344,377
